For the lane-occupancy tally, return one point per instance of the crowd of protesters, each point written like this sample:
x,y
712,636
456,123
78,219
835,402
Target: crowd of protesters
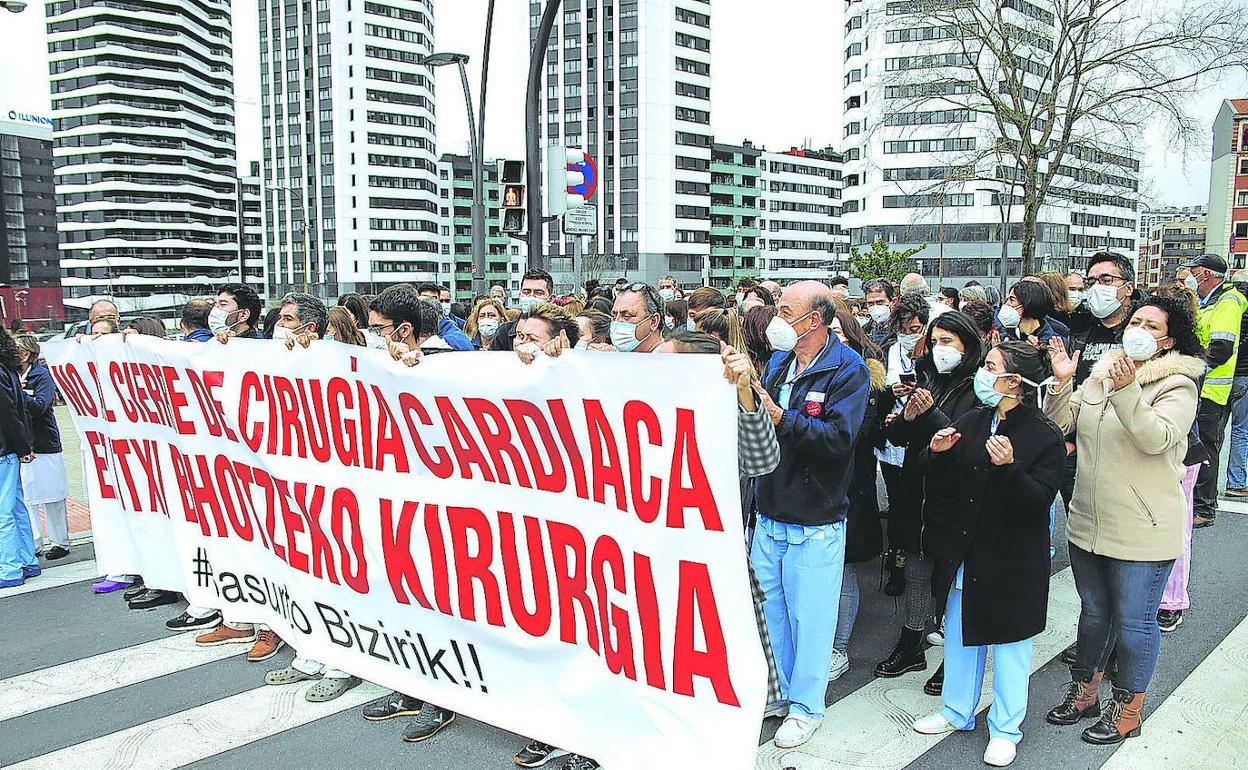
x,y
976,411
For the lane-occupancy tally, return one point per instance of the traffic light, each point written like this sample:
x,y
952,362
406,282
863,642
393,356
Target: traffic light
x,y
511,196
571,179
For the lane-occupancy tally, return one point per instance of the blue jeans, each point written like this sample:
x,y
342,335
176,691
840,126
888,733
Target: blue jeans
x,y
798,568
1119,602
847,611
1237,462
17,541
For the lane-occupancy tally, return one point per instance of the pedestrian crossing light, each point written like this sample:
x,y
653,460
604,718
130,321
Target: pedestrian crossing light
x,y
511,196
571,179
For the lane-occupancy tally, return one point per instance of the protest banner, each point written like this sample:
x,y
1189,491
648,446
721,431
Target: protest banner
x,y
556,549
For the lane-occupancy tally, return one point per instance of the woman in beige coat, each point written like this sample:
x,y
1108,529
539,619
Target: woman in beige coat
x,y
1130,421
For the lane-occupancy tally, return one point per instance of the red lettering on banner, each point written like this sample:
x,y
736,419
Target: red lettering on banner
x,y
340,398
153,385
474,567
288,418
617,634
467,453
117,376
698,493
389,442
570,582
249,390
232,497
320,555
365,424
605,473
203,493
70,384
560,415
97,445
345,511
149,463
244,477
437,553
636,414
213,380
121,454
537,622
293,525
696,601
496,436
396,550
262,478
177,402
109,415
189,510
442,467
651,626
315,419
525,414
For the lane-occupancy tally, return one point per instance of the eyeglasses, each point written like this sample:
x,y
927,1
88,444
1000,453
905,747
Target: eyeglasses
x,y
1108,279
646,289
378,329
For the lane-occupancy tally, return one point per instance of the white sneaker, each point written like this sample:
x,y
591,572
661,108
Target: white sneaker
x,y
840,664
778,708
933,724
937,638
795,730
1000,752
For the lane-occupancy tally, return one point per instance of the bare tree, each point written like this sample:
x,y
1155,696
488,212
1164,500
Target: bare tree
x,y
1063,83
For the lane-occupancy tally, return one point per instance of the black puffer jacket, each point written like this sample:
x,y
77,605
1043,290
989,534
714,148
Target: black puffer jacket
x,y
14,427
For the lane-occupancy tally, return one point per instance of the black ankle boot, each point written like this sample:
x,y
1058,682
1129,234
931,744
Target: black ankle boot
x,y
936,684
895,563
907,656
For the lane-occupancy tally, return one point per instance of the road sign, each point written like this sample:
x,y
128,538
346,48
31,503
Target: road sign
x,y
582,220
589,170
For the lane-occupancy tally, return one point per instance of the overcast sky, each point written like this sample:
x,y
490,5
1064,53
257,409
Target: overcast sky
x,y
777,81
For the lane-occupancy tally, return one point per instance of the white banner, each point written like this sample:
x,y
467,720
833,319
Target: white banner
x,y
555,549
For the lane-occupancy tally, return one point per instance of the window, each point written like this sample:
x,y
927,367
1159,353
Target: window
x,y
1243,166
1241,197
934,200
1240,230
929,118
929,145
690,41
928,61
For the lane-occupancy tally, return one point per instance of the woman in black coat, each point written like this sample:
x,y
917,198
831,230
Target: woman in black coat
x,y
945,372
991,477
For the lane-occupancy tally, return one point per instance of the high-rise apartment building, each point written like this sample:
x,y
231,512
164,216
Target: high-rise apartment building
x,y
1151,217
251,262
734,214
630,82
144,150
28,254
1171,245
800,205
1227,235
349,168
916,152
504,256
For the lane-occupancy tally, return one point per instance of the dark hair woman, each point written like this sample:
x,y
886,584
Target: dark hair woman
x,y
1025,312
1128,519
17,547
945,376
755,330
45,484
863,538
990,478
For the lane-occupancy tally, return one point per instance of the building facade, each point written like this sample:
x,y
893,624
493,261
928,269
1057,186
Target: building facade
x,y
800,208
1228,185
504,256
143,151
1171,245
735,233
629,81
252,265
349,166
28,253
924,166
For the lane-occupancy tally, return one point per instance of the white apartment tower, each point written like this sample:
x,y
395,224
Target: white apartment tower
x,y
144,151
909,135
630,82
800,208
349,168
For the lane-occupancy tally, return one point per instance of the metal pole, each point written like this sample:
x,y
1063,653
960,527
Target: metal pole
x,y
478,269
478,190
1005,244
533,150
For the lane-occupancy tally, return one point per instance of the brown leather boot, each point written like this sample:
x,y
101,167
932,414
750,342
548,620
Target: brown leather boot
x,y
1120,719
1082,700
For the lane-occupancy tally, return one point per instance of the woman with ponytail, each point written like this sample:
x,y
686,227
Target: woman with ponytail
x,y
990,478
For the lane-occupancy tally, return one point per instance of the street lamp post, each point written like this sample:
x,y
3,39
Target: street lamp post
x,y
1003,207
476,160
532,140
13,6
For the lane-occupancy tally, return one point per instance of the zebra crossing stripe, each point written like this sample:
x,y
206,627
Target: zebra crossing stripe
x,y
201,732
871,727
1201,723
57,685
55,577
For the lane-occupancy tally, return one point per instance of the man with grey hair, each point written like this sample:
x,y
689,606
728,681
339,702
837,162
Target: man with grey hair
x,y
772,288
972,294
637,319
914,283
301,314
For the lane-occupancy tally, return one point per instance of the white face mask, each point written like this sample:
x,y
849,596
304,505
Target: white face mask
x,y
1076,297
780,334
863,320
446,308
526,303
1139,344
667,294
946,358
487,326
581,345
1103,300
907,342
219,320
668,322
1010,317
282,333
880,313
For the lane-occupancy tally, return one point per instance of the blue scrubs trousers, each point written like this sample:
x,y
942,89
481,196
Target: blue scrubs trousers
x,y
964,677
17,541
800,571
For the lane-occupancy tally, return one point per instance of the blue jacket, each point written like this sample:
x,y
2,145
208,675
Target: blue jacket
x,y
451,333
811,485
198,335
39,399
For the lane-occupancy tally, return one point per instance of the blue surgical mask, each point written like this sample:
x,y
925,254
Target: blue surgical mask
x,y
907,342
691,325
526,303
624,336
1191,283
985,387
